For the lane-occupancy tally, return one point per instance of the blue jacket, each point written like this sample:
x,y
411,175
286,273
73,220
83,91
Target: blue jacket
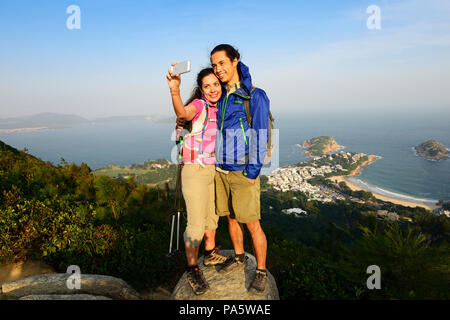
x,y
237,147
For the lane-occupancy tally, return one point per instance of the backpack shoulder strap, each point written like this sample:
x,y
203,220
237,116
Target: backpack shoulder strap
x,y
247,108
205,122
199,123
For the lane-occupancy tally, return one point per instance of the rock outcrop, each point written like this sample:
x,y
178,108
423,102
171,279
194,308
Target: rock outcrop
x,y
432,150
19,270
54,287
227,287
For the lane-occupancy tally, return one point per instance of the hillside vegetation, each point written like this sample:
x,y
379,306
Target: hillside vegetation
x,y
155,173
65,215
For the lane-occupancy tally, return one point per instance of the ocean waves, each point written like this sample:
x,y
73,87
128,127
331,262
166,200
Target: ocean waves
x,y
388,193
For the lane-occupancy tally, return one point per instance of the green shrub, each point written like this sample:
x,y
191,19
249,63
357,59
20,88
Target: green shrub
x,y
410,266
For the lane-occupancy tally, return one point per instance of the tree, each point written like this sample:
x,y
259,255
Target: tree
x,y
111,195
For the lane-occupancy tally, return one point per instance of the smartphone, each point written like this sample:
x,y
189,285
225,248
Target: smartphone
x,y
180,68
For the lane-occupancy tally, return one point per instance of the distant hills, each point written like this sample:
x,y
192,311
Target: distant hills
x,y
49,120
41,121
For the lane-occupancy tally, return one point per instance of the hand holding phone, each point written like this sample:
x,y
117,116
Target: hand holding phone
x,y
180,68
173,80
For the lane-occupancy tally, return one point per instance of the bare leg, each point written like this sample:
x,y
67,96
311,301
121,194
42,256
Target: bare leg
x,y
236,235
210,239
191,254
259,243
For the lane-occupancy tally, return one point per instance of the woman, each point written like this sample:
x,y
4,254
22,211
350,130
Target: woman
x,y
198,172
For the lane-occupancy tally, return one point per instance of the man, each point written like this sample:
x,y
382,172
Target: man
x,y
238,165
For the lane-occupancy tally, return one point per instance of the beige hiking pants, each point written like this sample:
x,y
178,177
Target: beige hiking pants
x,y
197,184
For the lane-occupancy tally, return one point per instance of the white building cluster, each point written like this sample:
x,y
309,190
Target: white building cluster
x,y
442,211
296,212
296,178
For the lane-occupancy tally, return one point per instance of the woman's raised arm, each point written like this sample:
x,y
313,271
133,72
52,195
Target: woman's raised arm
x,y
184,112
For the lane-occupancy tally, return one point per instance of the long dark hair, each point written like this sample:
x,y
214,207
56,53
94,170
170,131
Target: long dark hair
x,y
197,92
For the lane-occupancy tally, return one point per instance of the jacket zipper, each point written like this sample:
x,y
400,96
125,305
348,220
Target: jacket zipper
x,y
243,131
223,118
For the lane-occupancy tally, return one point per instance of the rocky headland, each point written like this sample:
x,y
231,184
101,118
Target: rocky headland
x,y
320,146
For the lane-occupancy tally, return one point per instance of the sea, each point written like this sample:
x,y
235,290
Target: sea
x,y
398,172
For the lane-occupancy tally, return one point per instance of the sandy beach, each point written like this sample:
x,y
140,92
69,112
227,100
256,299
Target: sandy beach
x,y
22,129
355,187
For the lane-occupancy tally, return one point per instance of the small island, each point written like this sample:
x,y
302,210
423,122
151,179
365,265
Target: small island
x,y
320,146
432,150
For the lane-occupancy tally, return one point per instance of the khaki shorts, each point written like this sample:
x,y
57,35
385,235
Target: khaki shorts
x,y
197,184
237,197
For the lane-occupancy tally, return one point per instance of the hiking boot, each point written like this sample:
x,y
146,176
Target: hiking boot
x,y
259,282
197,281
232,264
214,258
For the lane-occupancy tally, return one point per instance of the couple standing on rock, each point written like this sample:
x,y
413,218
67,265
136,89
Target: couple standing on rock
x,y
223,155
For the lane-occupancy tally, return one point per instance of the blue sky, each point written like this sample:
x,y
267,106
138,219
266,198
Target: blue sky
x,y
309,56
